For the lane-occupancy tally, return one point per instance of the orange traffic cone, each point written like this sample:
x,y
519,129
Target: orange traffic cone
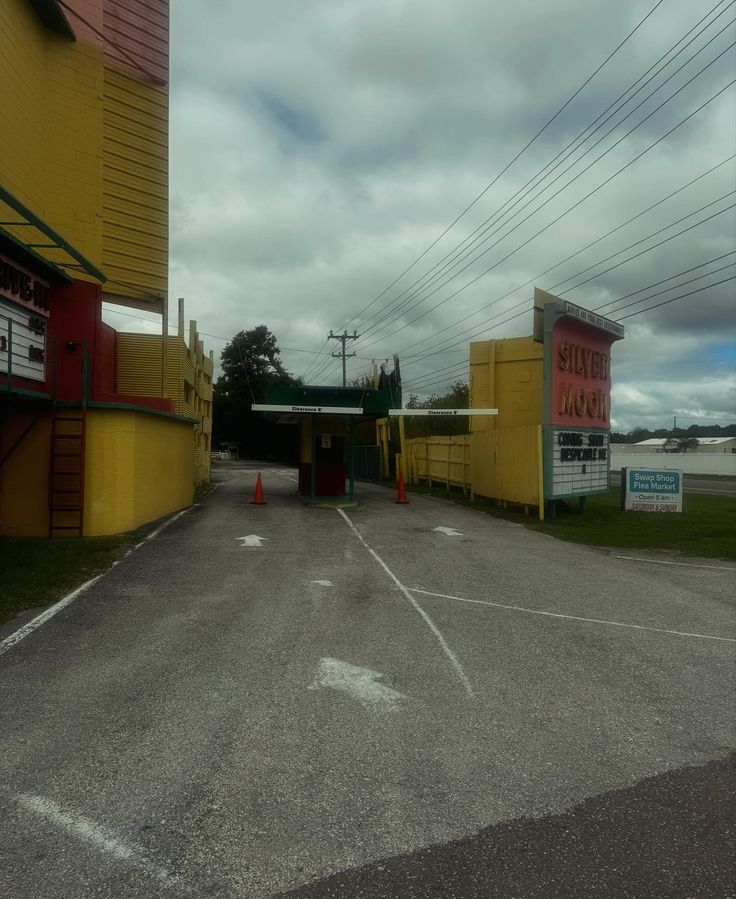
x,y
401,497
258,499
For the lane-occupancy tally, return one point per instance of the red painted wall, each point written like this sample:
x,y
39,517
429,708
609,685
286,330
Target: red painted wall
x,y
581,375
75,311
133,34
76,322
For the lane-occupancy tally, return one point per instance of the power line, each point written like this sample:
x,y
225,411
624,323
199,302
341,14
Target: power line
x,y
575,178
414,386
448,369
508,165
456,258
664,280
674,299
650,147
453,341
668,289
539,275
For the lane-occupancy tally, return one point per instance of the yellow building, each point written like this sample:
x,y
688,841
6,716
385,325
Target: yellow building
x,y
550,439
100,432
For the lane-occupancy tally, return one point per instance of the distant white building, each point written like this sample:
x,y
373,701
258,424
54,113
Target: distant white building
x,y
716,445
672,445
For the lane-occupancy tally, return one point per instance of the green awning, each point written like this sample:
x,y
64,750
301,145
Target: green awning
x,y
27,231
309,399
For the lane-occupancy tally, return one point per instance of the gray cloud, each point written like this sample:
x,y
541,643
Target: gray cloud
x,y
317,149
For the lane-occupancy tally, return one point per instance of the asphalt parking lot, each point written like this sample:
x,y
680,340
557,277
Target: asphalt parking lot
x,y
410,701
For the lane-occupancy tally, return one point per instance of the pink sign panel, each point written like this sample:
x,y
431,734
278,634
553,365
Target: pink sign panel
x,y
581,375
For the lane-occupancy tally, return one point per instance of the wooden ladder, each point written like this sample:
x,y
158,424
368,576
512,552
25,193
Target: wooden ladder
x,y
66,473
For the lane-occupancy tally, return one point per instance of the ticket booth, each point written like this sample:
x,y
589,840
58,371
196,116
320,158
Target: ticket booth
x,y
327,419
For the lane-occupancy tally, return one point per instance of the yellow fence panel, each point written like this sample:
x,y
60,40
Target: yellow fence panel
x,y
506,464
440,460
503,464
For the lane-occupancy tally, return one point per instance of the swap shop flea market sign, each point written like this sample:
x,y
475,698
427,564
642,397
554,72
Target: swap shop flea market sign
x,y
652,490
577,396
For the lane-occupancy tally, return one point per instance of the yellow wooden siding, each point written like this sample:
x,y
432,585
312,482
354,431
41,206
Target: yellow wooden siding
x,y
51,128
507,375
127,449
505,464
24,481
440,459
138,364
188,384
22,105
135,187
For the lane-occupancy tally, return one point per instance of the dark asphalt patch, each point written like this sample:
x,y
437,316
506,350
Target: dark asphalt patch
x,y
672,835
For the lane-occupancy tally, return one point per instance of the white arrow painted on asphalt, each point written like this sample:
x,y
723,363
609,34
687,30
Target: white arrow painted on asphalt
x,y
451,532
360,683
252,540
323,583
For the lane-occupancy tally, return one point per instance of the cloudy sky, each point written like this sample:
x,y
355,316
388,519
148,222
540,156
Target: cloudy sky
x,y
319,149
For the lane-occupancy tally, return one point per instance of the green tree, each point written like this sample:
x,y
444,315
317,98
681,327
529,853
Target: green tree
x,y
457,397
250,363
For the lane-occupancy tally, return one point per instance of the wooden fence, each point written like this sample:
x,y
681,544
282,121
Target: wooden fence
x,y
440,460
503,464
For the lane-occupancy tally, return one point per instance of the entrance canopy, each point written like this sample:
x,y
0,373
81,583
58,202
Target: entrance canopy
x,y
327,417
290,402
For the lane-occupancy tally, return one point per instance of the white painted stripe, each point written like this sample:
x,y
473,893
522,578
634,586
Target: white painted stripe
x,y
161,527
27,629
90,832
393,413
638,627
428,621
307,410
664,562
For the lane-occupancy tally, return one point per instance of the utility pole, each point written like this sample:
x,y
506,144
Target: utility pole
x,y
343,338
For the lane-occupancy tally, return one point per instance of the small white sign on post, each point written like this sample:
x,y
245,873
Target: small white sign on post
x,y
652,490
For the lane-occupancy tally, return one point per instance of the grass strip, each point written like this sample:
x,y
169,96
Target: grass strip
x,y
37,573
706,526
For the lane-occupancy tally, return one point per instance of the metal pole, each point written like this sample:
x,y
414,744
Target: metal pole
x,y
10,352
351,494
343,338
313,472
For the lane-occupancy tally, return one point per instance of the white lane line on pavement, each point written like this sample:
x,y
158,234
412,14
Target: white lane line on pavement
x,y
36,622
90,832
154,534
665,562
287,476
428,621
27,629
638,627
